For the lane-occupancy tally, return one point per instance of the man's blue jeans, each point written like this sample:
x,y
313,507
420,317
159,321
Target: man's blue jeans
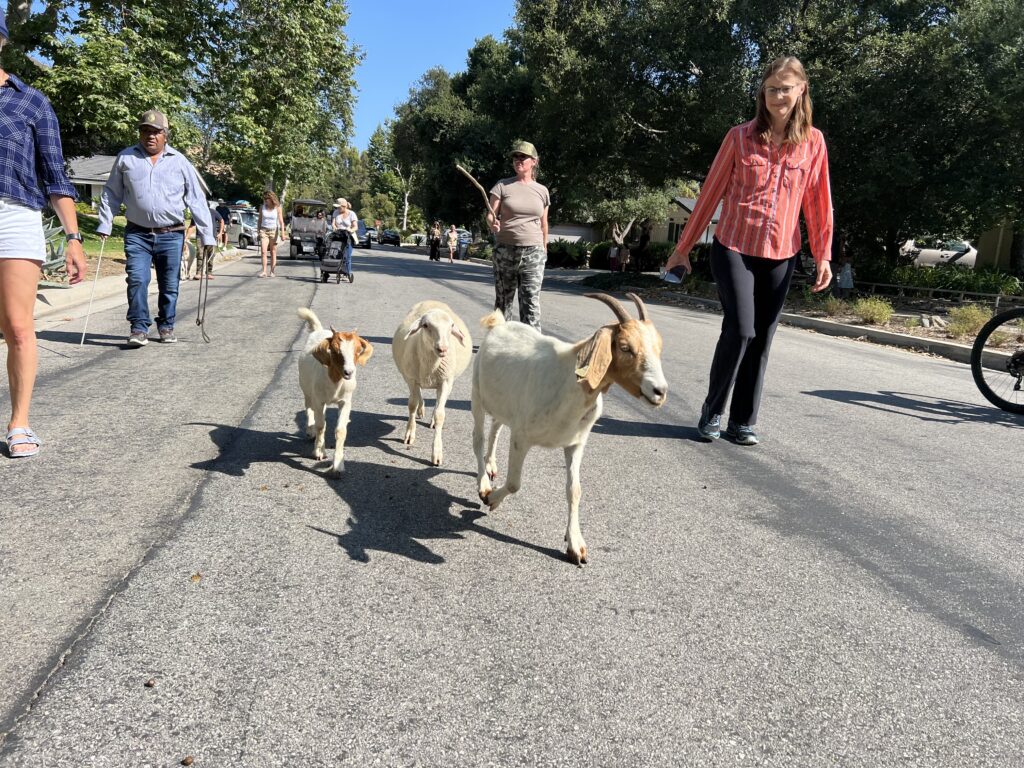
x,y
142,251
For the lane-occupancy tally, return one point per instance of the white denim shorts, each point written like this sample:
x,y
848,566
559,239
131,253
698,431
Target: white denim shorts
x,y
21,232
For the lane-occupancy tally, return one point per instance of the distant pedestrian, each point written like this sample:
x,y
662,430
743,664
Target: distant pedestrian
x,y
844,281
520,219
225,214
271,232
345,219
205,254
156,183
31,172
767,171
453,243
435,242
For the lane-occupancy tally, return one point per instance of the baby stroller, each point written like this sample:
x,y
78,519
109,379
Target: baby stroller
x,y
332,255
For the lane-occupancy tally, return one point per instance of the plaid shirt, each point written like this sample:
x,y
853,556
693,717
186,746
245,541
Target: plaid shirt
x,y
31,159
765,188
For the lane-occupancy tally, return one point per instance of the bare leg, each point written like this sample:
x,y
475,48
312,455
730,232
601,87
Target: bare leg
x,y
263,256
340,433
18,280
483,482
321,430
517,450
273,255
576,547
415,405
437,423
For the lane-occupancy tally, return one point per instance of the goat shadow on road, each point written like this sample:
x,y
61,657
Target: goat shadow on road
x,y
923,407
392,508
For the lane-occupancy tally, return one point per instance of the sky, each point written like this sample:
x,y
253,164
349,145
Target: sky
x,y
402,39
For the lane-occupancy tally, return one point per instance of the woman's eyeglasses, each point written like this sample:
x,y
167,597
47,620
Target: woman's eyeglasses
x,y
783,91
520,158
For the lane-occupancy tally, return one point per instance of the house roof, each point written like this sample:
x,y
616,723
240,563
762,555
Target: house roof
x,y
90,170
688,203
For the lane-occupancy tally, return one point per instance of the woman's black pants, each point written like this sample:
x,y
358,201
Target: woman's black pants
x,y
752,291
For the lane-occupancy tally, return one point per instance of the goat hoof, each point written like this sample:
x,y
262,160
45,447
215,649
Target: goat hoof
x,y
577,558
436,462
485,497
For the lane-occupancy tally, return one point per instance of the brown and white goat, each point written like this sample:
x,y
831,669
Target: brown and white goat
x,y
327,375
548,393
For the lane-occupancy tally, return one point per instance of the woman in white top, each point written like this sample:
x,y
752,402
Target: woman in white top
x,y
271,228
345,218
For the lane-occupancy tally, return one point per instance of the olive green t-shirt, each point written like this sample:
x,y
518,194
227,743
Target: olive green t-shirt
x,y
522,206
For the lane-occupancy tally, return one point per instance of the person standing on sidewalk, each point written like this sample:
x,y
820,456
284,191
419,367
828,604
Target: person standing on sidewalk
x,y
519,216
31,164
767,171
271,231
156,183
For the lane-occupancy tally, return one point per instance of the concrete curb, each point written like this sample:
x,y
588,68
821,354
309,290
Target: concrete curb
x,y
50,301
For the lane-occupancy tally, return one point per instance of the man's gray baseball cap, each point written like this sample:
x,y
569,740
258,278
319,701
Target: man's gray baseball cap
x,y
154,118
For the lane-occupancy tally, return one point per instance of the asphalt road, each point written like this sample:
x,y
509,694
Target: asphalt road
x,y
847,593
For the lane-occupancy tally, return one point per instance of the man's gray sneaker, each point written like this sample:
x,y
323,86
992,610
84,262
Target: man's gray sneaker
x,y
138,339
742,434
167,336
709,425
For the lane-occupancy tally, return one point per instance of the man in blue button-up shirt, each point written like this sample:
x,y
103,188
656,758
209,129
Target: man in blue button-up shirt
x,y
156,183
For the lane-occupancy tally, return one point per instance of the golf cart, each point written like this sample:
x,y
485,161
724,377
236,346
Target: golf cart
x,y
306,229
241,226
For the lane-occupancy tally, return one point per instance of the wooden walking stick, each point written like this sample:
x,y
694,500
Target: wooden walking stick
x,y
99,261
478,185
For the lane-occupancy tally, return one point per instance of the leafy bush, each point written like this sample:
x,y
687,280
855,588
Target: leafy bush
x,y
873,310
599,255
967,320
951,278
835,306
653,257
566,255
480,250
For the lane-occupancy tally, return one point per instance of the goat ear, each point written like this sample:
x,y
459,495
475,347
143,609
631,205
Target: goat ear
x,y
458,334
322,352
365,351
593,359
416,327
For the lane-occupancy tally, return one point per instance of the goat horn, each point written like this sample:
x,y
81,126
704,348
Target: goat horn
x,y
611,301
640,308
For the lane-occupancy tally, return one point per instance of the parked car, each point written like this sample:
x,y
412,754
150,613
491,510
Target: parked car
x,y
241,226
363,236
926,253
390,237
371,232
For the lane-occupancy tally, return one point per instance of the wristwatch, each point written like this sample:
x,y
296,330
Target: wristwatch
x,y
73,236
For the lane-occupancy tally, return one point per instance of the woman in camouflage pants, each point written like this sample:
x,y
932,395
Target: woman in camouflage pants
x,y
519,217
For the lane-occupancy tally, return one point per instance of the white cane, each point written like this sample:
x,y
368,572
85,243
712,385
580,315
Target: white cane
x,y
99,261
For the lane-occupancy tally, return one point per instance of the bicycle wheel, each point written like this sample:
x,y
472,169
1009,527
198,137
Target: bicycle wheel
x,y
1001,381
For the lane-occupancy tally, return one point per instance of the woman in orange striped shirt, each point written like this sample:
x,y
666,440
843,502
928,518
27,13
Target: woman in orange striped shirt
x,y
767,171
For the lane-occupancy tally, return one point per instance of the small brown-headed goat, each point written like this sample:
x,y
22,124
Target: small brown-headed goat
x,y
327,375
548,393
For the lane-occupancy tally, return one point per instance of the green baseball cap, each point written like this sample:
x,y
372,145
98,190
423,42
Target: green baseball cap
x,y
155,119
523,148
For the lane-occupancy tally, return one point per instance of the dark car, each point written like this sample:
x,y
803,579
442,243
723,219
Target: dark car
x,y
362,236
389,236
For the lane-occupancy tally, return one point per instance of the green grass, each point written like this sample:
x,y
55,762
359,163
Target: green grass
x,y
91,241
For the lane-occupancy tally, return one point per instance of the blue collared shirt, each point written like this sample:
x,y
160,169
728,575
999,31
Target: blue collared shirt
x,y
155,194
31,159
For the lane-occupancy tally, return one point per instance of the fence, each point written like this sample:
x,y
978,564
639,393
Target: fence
x,y
931,293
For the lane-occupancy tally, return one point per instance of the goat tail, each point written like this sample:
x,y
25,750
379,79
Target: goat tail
x,y
496,318
311,319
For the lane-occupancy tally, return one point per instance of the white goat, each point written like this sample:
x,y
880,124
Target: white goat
x,y
327,375
426,357
548,392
